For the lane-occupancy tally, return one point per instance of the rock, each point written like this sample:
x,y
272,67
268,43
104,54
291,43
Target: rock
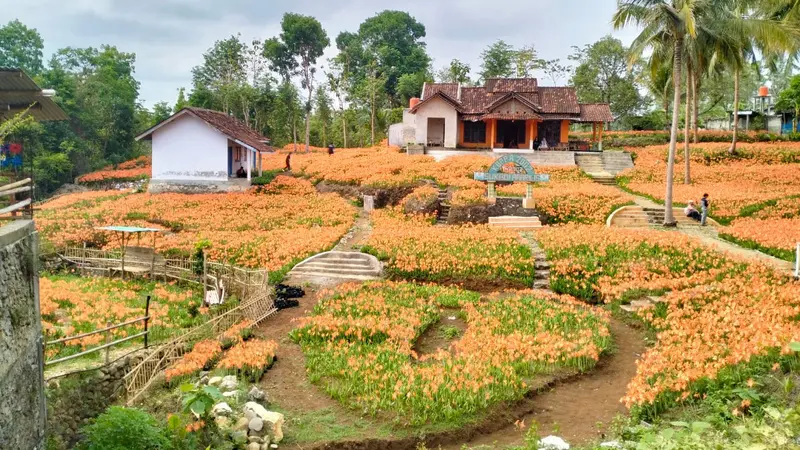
x,y
255,424
553,443
275,420
239,437
229,383
204,379
222,422
230,394
611,444
266,446
221,409
249,414
255,439
242,424
256,394
273,446
254,446
214,381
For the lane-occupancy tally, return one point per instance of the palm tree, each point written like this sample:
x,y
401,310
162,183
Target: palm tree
x,y
664,23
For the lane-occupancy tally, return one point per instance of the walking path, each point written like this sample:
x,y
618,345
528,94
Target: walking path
x,y
710,236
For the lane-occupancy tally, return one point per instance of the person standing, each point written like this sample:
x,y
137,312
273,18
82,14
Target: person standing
x,y
330,150
288,163
704,205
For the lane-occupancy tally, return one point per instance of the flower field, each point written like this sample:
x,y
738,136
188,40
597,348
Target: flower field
x,y
415,249
289,222
719,311
136,169
359,345
73,305
760,172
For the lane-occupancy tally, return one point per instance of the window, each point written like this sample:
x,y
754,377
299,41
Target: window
x,y
475,132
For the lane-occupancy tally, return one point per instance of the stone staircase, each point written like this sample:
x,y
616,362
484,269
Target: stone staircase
x,y
339,265
444,208
605,180
616,162
515,223
541,279
591,163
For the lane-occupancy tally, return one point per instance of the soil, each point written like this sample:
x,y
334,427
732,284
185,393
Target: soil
x,y
286,383
358,235
573,410
433,338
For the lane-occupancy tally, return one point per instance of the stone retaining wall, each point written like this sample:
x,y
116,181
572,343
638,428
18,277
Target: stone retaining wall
x,y
22,399
480,214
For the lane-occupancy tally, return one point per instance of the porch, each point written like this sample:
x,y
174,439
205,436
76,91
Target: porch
x,y
244,163
523,136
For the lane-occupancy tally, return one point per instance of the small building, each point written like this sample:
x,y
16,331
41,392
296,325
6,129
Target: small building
x,y
511,114
201,147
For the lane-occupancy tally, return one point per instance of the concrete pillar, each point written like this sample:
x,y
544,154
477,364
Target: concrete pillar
x,y
249,163
527,202
492,194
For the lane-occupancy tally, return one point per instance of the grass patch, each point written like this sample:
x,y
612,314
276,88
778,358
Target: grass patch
x,y
780,253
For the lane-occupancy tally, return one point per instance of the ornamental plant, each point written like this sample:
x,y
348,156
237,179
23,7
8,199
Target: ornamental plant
x,y
203,356
250,359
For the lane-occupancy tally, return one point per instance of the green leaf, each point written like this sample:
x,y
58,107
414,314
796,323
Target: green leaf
x,y
213,391
794,346
199,407
680,424
699,427
187,387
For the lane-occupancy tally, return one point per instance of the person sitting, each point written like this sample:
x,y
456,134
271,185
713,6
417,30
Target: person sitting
x,y
536,144
692,212
241,173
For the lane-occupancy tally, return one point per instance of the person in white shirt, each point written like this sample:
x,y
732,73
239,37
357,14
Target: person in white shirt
x,y
692,212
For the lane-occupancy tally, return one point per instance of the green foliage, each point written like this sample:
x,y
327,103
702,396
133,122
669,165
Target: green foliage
x,y
497,60
161,112
199,400
125,429
602,76
455,72
51,170
266,178
449,332
21,47
789,99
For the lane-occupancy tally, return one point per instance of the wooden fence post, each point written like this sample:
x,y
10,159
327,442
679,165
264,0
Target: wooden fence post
x,y
146,320
108,340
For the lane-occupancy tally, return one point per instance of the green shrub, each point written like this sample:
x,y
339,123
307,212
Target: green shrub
x,y
266,178
125,429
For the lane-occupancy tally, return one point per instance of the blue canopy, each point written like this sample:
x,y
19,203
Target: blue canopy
x,y
130,229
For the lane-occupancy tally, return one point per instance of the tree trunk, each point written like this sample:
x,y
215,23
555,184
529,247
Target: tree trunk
x,y
372,119
696,102
344,129
294,132
669,218
666,108
687,178
308,112
735,140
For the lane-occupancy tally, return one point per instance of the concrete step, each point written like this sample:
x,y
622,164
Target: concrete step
x,y
542,274
343,261
317,275
322,264
541,284
512,219
337,271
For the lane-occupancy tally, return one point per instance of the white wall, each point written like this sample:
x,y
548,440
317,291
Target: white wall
x,y
189,149
437,108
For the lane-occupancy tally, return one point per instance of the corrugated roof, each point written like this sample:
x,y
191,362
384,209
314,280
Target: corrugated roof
x,y
230,126
19,92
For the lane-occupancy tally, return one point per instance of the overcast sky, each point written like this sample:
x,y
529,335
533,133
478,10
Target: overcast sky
x,y
170,36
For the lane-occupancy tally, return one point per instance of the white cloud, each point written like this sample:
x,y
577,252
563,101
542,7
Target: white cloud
x,y
170,36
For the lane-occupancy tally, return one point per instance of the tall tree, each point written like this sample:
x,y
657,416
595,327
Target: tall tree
x,y
21,47
455,72
181,102
526,60
217,79
337,83
555,71
664,23
301,43
603,76
161,112
497,61
789,100
323,116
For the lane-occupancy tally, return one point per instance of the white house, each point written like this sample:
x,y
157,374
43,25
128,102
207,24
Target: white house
x,y
202,146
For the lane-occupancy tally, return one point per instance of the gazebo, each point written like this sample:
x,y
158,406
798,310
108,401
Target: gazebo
x,y
138,256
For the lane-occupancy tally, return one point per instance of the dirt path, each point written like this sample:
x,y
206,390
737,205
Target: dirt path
x,y
574,409
358,235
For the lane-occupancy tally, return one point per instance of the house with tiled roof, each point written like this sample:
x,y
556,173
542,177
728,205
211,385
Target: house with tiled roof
x,y
205,147
512,114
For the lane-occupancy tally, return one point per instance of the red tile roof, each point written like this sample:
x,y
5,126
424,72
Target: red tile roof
x,y
511,116
596,112
230,126
550,103
430,89
494,85
440,94
559,100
